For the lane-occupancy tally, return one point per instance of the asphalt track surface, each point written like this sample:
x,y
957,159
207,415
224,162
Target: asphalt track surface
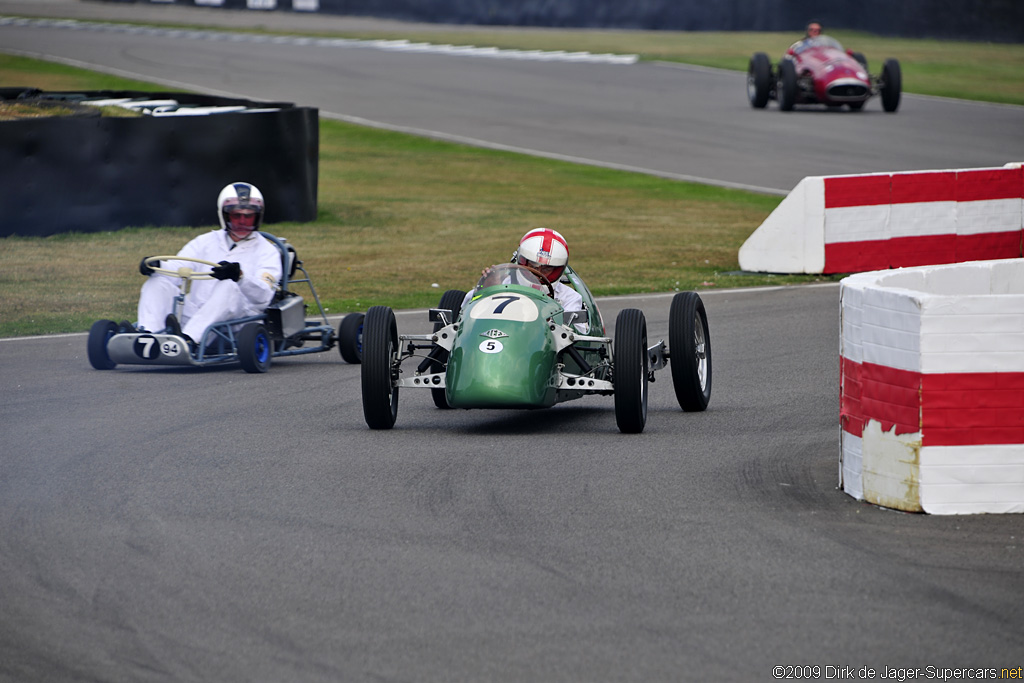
x,y
169,524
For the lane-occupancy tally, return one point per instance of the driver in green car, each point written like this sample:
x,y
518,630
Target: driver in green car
x,y
547,252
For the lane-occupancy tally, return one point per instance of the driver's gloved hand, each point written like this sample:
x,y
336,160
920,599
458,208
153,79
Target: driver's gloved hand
x,y
227,271
144,267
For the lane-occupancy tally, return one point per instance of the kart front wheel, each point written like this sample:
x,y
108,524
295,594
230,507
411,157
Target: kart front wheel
x,y
99,334
451,300
759,80
630,371
350,338
254,350
380,352
689,345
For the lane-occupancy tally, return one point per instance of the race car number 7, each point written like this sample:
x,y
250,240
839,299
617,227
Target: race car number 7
x,y
508,298
505,307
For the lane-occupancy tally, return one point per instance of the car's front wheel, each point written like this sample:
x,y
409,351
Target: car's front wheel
x,y
630,371
380,352
787,85
689,345
759,80
892,85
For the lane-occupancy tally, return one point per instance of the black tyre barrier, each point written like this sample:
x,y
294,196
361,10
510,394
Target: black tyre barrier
x,y
92,174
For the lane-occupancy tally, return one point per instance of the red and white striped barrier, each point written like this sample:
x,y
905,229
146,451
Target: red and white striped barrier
x,y
932,388
857,223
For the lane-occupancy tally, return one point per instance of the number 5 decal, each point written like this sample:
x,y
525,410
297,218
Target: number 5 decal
x,y
491,346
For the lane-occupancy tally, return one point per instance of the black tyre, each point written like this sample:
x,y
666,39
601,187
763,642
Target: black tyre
x,y
786,87
630,371
892,85
451,300
859,56
855,106
689,340
350,338
99,334
254,348
759,80
380,349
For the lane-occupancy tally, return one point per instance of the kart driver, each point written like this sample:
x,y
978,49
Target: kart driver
x,y
245,279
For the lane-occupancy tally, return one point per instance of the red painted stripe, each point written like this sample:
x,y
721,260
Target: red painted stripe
x,y
923,187
843,191
950,409
928,186
979,185
926,250
989,245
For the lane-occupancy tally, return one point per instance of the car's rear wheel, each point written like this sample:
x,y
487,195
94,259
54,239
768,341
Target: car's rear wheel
x,y
630,371
861,59
759,80
99,334
254,349
892,85
452,301
787,85
689,340
380,351
350,338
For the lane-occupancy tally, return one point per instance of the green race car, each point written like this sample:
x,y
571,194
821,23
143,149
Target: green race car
x,y
512,345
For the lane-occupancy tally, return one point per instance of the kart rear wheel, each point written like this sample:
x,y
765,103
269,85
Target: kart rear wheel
x,y
787,85
892,85
99,334
759,80
450,300
350,338
380,351
254,349
689,340
630,371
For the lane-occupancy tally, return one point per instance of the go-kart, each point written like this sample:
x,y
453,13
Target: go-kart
x,y
819,71
514,346
252,341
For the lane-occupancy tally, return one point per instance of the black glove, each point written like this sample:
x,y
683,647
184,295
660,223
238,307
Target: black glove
x,y
227,271
145,269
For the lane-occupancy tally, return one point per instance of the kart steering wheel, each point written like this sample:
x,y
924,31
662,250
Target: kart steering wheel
x,y
543,279
184,272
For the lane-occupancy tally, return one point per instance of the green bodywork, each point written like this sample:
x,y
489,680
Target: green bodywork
x,y
504,354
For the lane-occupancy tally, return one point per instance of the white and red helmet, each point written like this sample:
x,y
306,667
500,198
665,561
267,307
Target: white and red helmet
x,y
240,209
545,250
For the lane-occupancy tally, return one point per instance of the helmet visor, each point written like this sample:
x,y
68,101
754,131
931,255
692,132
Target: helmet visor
x,y
552,273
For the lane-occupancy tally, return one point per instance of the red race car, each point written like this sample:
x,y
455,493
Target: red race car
x,y
818,70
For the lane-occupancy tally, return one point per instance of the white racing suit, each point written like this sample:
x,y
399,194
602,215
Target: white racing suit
x,y
211,301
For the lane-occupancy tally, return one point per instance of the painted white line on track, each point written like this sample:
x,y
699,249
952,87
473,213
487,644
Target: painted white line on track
x,y
388,45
